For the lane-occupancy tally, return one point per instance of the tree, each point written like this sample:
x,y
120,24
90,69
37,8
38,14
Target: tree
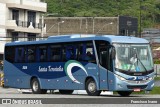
x,y
150,9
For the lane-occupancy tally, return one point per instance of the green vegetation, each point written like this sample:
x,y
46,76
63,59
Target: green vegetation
x,y
150,9
156,61
155,90
157,78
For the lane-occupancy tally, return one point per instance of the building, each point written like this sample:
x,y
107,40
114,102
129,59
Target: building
x,y
122,25
20,20
151,34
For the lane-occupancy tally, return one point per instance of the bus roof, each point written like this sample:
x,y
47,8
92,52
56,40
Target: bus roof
x,y
83,37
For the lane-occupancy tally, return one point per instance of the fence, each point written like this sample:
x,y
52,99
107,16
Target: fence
x,y
157,69
81,25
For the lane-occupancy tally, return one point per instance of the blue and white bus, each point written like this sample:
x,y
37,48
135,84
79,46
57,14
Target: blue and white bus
x,y
80,62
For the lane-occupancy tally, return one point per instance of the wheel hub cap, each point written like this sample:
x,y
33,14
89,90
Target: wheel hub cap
x,y
92,87
35,86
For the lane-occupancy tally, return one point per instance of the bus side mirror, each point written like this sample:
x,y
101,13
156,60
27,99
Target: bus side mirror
x,y
113,53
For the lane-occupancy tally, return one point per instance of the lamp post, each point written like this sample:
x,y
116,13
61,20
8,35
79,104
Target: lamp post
x,y
54,25
104,26
58,25
140,35
42,22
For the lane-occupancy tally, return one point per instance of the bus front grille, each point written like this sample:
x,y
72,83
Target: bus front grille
x,y
133,87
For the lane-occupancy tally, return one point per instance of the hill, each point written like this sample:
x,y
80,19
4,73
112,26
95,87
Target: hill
x,y
150,9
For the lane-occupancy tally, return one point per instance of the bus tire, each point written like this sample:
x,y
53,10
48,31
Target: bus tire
x,y
124,93
36,87
91,88
66,91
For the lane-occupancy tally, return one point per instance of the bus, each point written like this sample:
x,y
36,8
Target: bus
x,y
93,63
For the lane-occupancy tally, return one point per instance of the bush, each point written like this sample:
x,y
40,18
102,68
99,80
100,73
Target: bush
x,y
156,61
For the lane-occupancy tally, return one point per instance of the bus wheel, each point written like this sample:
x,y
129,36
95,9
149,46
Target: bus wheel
x,y
124,93
91,88
66,91
36,87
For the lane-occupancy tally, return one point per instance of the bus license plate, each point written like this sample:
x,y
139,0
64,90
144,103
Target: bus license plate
x,y
137,89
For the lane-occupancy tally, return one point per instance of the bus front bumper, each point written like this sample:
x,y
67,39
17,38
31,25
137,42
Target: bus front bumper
x,y
128,85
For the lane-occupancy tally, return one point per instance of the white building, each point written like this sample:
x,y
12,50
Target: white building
x,y
20,20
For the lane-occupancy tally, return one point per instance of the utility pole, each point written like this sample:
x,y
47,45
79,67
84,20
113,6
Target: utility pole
x,y
42,22
42,25
58,25
140,23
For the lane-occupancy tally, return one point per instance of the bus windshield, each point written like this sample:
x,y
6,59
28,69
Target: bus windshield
x,y
133,57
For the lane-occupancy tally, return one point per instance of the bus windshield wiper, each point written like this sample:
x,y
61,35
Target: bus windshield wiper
x,y
134,61
139,60
141,63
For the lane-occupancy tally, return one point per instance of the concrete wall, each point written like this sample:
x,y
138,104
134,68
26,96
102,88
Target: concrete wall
x,y
2,14
2,26
82,25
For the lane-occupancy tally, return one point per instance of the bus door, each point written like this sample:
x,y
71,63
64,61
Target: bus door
x,y
103,56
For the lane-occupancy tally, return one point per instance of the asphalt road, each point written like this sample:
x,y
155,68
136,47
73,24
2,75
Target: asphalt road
x,y
14,93
75,100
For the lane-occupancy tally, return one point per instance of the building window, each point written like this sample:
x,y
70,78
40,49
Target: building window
x,y
31,37
31,18
15,16
14,36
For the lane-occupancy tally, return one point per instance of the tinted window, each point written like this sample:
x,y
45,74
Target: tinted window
x,y
19,54
42,53
71,51
86,52
9,53
31,54
103,53
55,53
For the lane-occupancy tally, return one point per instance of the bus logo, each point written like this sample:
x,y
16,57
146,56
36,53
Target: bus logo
x,y
68,69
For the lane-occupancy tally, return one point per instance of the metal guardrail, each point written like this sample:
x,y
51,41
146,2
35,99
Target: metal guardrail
x,y
27,24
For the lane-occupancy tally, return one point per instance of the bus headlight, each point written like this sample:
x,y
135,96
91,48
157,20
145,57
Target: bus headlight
x,y
121,78
151,78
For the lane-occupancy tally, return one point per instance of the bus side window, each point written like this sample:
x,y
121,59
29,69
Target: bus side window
x,y
31,54
86,52
55,53
90,56
10,53
20,54
80,53
71,52
42,53
102,60
103,54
